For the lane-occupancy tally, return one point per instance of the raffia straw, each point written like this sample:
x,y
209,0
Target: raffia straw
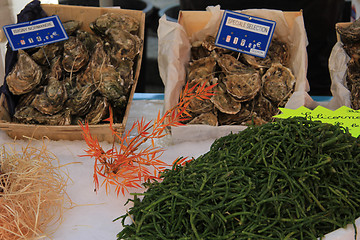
x,y
32,193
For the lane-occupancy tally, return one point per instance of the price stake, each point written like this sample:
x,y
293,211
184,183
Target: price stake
x,y
245,33
35,33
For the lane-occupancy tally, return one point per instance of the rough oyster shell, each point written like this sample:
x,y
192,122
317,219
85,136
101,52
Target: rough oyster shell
x,y
208,118
43,104
224,101
278,53
80,101
230,64
98,111
45,54
29,114
112,20
201,68
243,86
351,33
278,83
25,75
55,89
75,55
123,44
71,26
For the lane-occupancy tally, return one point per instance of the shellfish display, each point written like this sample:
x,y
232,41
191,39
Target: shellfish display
x,y
249,89
350,36
81,78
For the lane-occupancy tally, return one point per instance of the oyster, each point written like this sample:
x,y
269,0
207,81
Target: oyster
x,y
25,75
29,114
208,118
243,86
230,64
112,20
75,55
88,39
55,89
350,33
234,119
278,83
71,26
123,44
209,44
224,101
264,108
125,69
198,51
202,68
97,64
278,53
355,96
43,104
80,101
45,54
112,87
98,111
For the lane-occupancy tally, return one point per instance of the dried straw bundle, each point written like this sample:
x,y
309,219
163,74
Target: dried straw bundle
x,y
32,193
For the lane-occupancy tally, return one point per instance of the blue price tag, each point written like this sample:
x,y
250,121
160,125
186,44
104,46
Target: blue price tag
x,y
35,33
245,33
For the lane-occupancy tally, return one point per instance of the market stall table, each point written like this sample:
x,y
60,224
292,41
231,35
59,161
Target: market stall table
x,y
91,214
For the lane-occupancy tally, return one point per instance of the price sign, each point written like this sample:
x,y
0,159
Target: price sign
x,y
35,33
343,116
245,33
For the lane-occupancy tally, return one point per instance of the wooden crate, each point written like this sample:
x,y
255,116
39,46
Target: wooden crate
x,y
74,132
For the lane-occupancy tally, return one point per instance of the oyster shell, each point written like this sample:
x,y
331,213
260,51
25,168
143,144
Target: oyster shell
x,y
278,83
123,44
209,44
264,108
80,101
43,104
25,75
350,33
98,111
230,64
234,119
45,54
208,118
244,86
29,114
88,39
75,55
278,53
55,89
112,20
198,51
223,101
201,68
71,26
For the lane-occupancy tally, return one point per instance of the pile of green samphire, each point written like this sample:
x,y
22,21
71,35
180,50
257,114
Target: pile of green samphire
x,y
290,179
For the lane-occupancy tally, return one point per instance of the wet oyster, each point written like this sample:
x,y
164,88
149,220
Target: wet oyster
x,y
55,89
75,55
264,108
224,101
43,104
209,44
205,118
234,119
29,114
112,87
98,111
350,33
45,54
278,83
71,26
25,75
243,86
123,44
198,51
112,20
88,39
80,101
278,53
230,64
202,68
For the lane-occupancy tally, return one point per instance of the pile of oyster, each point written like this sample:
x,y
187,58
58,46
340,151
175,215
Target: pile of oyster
x,y
350,37
78,79
249,89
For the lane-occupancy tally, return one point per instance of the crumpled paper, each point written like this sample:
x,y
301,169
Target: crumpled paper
x,y
174,55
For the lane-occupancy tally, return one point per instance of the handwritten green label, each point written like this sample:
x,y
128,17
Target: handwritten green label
x,y
343,116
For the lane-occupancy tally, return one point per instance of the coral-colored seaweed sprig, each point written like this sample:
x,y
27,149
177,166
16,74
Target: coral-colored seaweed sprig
x,y
127,165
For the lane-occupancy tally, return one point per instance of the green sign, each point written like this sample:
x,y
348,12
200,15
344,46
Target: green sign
x,y
343,116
